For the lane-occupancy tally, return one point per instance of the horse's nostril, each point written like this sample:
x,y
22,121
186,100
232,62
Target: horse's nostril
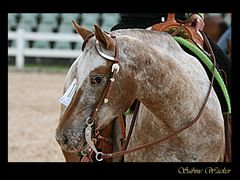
x,y
64,139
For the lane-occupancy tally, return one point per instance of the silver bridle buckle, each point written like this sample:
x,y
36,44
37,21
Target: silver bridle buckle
x,y
116,67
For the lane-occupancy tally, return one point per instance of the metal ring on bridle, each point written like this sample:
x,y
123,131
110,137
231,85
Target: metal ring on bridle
x,y
83,152
89,121
99,154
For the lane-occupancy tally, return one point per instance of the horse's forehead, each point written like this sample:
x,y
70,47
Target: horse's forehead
x,y
89,61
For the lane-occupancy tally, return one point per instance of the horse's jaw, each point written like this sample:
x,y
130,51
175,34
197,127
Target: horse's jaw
x,y
105,116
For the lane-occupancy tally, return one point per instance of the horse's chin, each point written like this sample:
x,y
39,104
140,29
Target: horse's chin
x,y
75,149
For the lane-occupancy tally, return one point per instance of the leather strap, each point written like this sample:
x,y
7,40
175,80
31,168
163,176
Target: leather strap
x,y
86,40
132,124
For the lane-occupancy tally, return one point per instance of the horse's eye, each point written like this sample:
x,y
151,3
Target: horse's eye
x,y
96,80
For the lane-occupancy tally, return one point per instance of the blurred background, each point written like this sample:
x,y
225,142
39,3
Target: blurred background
x,y
38,38
41,48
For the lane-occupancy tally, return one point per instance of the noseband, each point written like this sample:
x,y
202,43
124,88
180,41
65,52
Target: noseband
x,y
91,121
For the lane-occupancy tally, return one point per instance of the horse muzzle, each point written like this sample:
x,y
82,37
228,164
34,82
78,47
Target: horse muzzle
x,y
70,140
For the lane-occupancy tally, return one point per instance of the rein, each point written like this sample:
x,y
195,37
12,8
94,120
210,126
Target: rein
x,y
92,121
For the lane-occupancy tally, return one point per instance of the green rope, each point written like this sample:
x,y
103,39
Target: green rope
x,y
204,58
129,111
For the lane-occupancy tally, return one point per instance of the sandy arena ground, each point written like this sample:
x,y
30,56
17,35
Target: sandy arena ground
x,y
33,112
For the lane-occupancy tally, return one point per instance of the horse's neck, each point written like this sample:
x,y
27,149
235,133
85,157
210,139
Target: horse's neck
x,y
164,86
172,87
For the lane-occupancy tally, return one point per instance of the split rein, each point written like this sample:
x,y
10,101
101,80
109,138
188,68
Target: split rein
x,y
91,132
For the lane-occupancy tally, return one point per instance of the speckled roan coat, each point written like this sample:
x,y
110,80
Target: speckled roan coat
x,y
171,86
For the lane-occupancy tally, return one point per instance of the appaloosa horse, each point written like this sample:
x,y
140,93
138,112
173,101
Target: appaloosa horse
x,y
114,70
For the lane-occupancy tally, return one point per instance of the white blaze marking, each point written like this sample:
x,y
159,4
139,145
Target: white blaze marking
x,y
87,64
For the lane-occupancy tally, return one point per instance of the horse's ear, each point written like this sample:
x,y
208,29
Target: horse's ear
x,y
81,30
103,38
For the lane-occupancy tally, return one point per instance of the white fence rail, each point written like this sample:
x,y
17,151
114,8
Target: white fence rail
x,y
20,52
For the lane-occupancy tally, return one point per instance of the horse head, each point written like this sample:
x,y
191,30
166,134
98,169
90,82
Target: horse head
x,y
99,94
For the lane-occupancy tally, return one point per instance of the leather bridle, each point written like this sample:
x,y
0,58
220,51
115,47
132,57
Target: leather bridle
x,y
91,121
92,132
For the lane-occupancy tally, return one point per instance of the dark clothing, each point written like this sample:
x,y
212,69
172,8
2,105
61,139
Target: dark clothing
x,y
135,20
140,20
223,63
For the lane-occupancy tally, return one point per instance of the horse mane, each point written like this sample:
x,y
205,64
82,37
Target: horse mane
x,y
160,40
